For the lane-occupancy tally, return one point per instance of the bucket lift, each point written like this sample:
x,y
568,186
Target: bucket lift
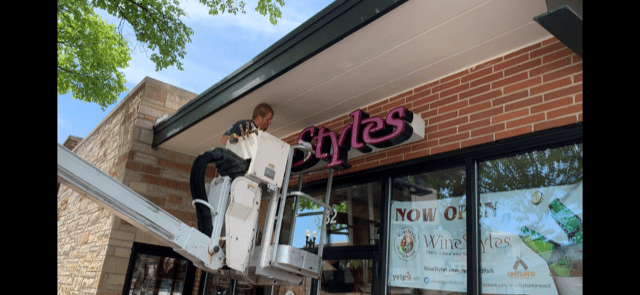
x,y
269,170
233,202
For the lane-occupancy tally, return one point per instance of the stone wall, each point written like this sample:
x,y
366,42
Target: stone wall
x,y
93,244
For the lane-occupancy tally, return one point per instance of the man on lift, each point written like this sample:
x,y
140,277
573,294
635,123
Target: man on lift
x,y
262,115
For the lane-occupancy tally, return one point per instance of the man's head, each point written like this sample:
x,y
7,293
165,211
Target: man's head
x,y
262,115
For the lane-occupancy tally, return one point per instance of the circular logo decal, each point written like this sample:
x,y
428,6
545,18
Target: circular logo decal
x,y
537,197
406,243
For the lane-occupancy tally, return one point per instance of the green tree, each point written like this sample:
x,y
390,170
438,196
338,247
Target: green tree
x,y
92,53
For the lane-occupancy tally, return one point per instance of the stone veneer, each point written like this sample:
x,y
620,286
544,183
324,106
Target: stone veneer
x,y
94,245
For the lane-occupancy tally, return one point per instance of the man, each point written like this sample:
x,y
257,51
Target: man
x,y
262,115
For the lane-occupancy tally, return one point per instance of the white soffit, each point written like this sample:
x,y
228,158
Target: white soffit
x,y
416,43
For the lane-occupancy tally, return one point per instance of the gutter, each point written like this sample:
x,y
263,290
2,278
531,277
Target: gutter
x,y
335,22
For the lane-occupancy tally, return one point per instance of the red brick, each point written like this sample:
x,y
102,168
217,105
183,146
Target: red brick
x,y
547,49
487,79
454,106
552,105
427,99
557,55
445,148
445,86
562,73
457,137
474,108
477,141
392,105
522,85
367,166
486,114
377,104
550,86
454,122
417,154
476,75
475,91
549,67
420,110
578,97
576,59
555,123
486,96
444,101
572,109
424,144
563,92
513,132
454,90
509,116
399,151
487,130
512,62
474,125
377,156
550,41
509,98
522,67
336,127
441,133
392,160
523,103
577,78
526,121
510,80
417,95
426,88
443,117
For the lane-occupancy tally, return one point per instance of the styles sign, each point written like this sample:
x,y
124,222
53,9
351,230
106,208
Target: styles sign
x,y
365,135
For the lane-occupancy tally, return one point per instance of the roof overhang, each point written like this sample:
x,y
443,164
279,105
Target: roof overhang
x,y
349,55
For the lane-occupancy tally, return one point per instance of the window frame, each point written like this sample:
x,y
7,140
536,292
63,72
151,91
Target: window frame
x,y
468,157
150,249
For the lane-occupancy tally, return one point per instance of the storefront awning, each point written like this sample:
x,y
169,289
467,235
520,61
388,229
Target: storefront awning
x,y
349,55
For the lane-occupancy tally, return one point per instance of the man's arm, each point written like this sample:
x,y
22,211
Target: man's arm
x,y
224,139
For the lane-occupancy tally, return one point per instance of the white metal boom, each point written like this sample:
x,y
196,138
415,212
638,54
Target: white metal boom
x,y
232,204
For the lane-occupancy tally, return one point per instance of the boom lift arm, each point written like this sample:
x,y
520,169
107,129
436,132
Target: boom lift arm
x,y
233,202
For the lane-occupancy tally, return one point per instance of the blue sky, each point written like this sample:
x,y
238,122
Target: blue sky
x,y
220,45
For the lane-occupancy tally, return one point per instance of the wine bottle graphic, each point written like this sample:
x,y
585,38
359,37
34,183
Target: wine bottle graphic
x,y
537,242
571,224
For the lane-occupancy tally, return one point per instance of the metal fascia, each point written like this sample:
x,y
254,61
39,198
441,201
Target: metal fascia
x,y
326,28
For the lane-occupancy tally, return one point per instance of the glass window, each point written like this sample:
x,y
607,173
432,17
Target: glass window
x,y
219,283
354,220
531,222
155,272
427,233
346,276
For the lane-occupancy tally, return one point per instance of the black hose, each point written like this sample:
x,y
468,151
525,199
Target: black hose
x,y
227,164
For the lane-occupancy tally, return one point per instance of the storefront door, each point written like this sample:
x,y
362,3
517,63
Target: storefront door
x,y
353,236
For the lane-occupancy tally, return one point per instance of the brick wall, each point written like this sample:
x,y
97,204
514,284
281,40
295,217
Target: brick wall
x,y
531,89
94,245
